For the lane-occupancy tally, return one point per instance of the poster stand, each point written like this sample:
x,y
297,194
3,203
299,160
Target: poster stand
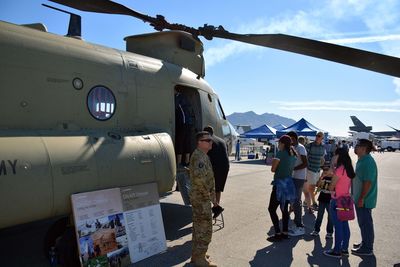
x,y
118,226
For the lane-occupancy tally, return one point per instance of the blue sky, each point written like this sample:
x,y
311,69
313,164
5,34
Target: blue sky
x,y
260,79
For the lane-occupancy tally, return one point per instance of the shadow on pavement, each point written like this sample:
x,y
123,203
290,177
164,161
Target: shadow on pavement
x,y
368,261
276,254
175,218
250,161
173,256
22,245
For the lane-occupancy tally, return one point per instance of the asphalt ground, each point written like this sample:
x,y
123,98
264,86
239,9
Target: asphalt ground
x,y
241,241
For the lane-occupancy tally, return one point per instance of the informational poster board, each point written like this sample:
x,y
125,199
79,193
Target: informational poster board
x,y
143,219
118,226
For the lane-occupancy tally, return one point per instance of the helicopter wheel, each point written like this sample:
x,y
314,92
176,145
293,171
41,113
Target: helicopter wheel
x,y
60,244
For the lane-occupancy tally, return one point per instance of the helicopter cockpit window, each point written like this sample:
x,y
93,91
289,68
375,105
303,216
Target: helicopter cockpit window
x,y
101,103
218,108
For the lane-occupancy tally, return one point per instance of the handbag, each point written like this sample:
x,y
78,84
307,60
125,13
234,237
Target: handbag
x,y
345,208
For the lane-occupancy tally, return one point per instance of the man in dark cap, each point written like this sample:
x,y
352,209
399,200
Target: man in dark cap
x,y
365,192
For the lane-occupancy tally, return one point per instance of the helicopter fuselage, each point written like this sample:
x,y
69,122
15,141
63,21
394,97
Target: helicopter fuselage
x,y
81,117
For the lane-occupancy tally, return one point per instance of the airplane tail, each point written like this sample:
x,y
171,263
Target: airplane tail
x,y
357,122
359,126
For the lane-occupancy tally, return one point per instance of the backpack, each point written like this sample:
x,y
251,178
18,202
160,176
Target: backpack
x,y
345,208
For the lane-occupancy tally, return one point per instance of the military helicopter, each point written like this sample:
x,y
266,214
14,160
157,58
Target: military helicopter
x,y
85,117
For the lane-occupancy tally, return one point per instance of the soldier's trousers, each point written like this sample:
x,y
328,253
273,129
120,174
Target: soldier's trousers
x,y
202,227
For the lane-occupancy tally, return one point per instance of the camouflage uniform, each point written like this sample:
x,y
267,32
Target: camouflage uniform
x,y
201,194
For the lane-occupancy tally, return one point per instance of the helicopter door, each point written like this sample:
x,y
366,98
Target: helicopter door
x,y
187,119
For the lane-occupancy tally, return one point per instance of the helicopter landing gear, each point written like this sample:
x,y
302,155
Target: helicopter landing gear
x,y
60,244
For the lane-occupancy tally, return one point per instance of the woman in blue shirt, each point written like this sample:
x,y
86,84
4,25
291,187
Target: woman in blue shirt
x,y
283,190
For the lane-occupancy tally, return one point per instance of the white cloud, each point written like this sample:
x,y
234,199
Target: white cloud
x,y
217,54
379,19
363,40
299,24
390,106
396,82
340,9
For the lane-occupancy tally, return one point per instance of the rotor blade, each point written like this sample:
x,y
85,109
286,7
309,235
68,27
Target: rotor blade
x,y
104,6
350,56
346,55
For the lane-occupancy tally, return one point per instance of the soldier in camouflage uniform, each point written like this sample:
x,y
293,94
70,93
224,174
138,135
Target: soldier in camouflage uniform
x,y
201,195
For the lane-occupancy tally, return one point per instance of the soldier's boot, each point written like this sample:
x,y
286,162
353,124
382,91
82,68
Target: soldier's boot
x,y
210,263
201,260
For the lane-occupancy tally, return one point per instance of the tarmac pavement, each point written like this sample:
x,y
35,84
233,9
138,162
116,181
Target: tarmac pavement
x,y
242,240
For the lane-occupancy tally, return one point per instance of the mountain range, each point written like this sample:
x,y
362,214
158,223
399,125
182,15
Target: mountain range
x,y
254,120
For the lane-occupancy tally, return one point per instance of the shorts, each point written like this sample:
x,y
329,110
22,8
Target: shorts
x,y
312,177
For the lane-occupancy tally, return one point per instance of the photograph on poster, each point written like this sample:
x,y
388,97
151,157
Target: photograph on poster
x,y
119,257
101,237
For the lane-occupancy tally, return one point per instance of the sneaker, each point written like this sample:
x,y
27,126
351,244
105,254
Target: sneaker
x,y
296,231
357,245
362,252
285,236
329,236
314,233
345,253
333,254
275,238
291,209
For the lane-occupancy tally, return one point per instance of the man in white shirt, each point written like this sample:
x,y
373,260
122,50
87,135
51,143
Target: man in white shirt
x,y
299,178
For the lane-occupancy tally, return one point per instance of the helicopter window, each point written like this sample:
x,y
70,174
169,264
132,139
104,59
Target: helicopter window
x,y
218,107
101,103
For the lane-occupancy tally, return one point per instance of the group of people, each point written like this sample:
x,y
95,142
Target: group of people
x,y
297,167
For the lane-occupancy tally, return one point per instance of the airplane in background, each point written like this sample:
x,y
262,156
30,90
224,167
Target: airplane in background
x,y
360,127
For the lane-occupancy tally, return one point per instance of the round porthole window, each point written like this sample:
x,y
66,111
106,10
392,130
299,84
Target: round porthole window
x,y
101,103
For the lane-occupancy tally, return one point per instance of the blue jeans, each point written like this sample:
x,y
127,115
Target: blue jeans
x,y
342,230
322,206
366,224
298,185
237,154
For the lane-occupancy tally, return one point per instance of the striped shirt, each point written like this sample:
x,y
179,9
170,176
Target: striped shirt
x,y
315,154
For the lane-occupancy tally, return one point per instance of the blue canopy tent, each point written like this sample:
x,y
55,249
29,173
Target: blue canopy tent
x,y
279,127
302,127
262,132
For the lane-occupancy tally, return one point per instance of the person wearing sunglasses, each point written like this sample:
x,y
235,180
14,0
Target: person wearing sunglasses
x,y
202,194
365,194
316,153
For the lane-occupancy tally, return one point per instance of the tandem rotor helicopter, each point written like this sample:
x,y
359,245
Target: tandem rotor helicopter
x,y
84,117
